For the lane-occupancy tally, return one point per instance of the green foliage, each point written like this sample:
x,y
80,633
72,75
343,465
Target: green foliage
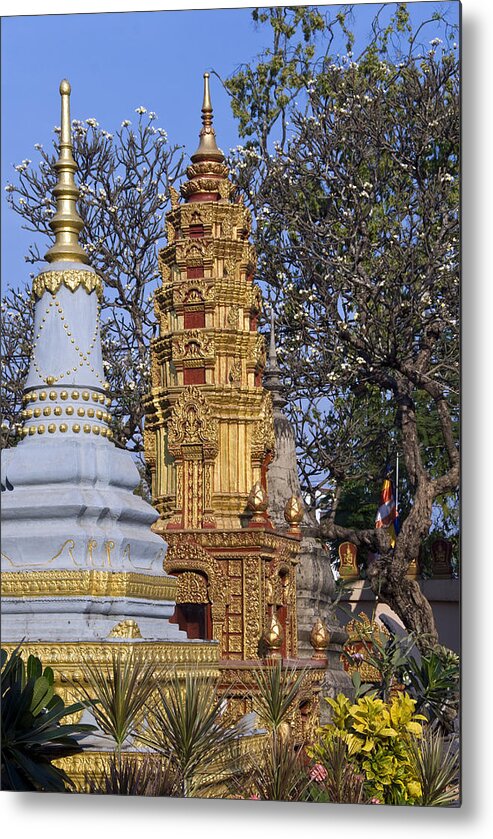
x,y
118,697
277,690
387,654
436,765
184,724
277,773
378,736
434,682
337,779
145,774
31,729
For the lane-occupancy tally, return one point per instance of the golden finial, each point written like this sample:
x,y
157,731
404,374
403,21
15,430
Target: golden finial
x,y
319,639
273,637
66,223
207,149
293,513
257,502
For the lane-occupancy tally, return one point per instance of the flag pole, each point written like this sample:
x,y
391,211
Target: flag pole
x,y
397,483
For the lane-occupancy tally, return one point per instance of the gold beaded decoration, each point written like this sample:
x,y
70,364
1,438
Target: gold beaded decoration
x,y
57,411
52,428
76,428
87,429
63,427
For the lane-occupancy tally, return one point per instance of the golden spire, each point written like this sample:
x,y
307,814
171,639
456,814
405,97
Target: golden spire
x,y
66,223
207,149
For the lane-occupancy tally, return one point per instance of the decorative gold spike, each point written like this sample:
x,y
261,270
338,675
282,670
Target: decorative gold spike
x,y
319,639
273,637
66,223
293,513
207,149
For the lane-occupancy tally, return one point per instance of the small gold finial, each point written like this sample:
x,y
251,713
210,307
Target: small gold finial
x,y
66,223
257,503
319,639
273,637
207,149
293,513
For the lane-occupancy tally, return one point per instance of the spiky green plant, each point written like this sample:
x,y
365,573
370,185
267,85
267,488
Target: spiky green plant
x,y
277,773
185,726
436,765
118,695
277,688
335,778
31,730
143,775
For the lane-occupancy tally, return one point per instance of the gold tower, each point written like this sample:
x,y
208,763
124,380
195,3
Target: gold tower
x,y
209,428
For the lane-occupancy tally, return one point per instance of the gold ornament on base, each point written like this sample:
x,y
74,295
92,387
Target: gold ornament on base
x,y
319,639
273,637
257,503
293,513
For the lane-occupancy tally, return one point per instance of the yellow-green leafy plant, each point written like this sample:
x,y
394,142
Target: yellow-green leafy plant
x,y
379,737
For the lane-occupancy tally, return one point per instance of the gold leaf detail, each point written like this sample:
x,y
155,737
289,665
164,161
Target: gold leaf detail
x,y
52,280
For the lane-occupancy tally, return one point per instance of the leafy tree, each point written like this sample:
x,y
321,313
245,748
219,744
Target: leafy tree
x,y
125,180
351,168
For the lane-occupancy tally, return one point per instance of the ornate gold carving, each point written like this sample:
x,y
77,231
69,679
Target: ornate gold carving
x,y
194,252
193,291
362,632
255,299
192,422
193,344
263,437
192,588
170,232
234,376
51,281
233,317
87,584
126,629
69,657
174,198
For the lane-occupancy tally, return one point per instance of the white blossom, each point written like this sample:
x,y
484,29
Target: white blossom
x,y
141,110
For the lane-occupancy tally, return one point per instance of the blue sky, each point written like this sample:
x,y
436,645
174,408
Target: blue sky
x,y
116,62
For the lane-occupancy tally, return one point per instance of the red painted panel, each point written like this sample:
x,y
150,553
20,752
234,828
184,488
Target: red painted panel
x,y
194,376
